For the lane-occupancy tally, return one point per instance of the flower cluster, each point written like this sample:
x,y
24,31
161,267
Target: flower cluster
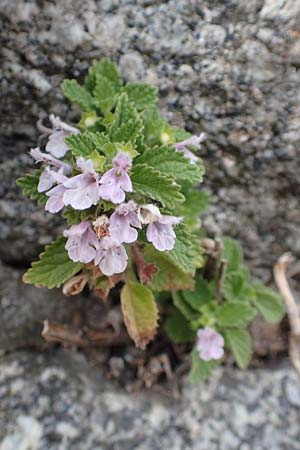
x,y
101,241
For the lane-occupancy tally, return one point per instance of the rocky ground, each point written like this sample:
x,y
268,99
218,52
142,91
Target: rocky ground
x,y
228,68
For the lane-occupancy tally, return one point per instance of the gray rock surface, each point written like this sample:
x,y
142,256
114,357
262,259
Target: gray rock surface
x,y
229,68
56,402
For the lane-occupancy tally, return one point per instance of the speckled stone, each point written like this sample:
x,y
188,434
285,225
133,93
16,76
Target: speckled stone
x,y
57,401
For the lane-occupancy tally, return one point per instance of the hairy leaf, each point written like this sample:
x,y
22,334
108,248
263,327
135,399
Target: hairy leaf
x,y
29,186
184,307
104,94
201,295
235,314
153,185
233,254
102,69
127,124
195,203
178,328
141,95
140,313
239,342
77,94
53,268
183,253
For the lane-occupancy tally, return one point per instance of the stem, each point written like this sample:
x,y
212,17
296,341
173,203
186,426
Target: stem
x,y
220,279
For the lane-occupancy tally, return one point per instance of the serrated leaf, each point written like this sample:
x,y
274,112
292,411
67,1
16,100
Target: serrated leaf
x,y
234,285
201,295
29,187
235,314
195,203
181,304
141,95
98,160
81,144
233,254
53,268
127,124
183,253
239,342
172,163
77,94
201,370
153,185
178,328
104,69
169,277
268,303
104,94
140,313
154,125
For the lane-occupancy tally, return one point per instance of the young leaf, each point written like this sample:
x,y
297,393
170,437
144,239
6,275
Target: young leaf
x,y
140,313
178,328
169,277
77,94
201,370
141,95
104,94
200,296
235,314
154,125
268,303
29,185
153,185
81,144
233,254
172,163
183,253
234,285
53,268
103,69
239,341
126,125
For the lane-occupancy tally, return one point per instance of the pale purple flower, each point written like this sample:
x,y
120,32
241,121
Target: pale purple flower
x,y
82,242
115,182
210,344
193,140
56,144
122,221
161,234
55,202
111,257
49,177
49,159
82,191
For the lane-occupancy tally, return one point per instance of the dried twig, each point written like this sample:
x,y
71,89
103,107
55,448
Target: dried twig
x,y
292,307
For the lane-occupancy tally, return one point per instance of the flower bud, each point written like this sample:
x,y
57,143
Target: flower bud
x,y
75,285
148,214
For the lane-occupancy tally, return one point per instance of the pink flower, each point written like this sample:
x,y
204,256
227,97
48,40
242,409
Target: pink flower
x,y
111,257
82,242
193,140
49,159
122,222
55,202
115,182
49,177
56,143
209,344
160,229
82,191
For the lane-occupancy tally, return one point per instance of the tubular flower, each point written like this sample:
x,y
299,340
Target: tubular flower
x,y
82,191
210,344
111,257
56,143
115,182
82,242
122,222
160,228
193,140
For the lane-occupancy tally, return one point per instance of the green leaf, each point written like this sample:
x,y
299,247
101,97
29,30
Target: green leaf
x,y
169,277
141,95
201,295
183,253
239,342
201,370
104,94
234,285
53,268
77,94
172,163
81,144
154,126
98,160
153,185
268,303
233,254
178,328
235,314
103,69
140,313
127,124
195,203
185,308
29,187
